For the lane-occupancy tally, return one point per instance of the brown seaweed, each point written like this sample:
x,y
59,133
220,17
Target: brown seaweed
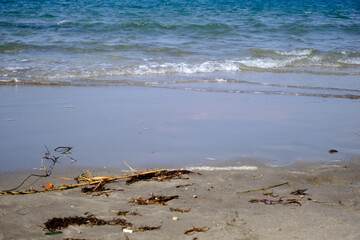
x,y
159,176
279,201
63,222
270,194
146,228
158,200
124,213
99,190
299,192
196,229
180,210
186,185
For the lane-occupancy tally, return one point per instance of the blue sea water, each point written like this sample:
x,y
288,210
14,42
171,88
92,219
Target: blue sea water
x,y
182,44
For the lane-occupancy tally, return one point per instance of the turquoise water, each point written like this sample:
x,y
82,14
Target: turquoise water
x,y
167,43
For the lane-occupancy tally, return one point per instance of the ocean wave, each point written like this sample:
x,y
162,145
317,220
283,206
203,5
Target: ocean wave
x,y
62,22
300,52
285,64
230,168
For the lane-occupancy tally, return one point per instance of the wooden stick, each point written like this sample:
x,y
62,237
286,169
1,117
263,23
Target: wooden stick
x,y
130,168
265,188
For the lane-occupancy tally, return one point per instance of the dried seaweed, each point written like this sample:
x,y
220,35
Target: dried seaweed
x,y
99,188
146,228
124,213
158,200
159,176
61,223
180,210
279,201
196,229
299,192
186,185
270,194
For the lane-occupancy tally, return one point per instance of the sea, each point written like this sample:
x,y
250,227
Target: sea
x,y
294,49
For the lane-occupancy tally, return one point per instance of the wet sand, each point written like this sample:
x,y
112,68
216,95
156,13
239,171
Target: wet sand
x,y
156,127
328,209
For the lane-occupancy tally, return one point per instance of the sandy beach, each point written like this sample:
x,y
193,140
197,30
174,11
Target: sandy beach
x,y
214,201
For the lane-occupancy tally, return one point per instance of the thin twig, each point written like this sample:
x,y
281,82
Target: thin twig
x,y
265,188
130,167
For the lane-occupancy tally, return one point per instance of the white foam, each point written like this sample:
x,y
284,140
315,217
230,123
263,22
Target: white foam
x,y
302,52
355,61
187,68
13,80
63,22
240,168
264,63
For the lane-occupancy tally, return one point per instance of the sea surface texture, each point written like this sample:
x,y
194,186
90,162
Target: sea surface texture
x,y
192,45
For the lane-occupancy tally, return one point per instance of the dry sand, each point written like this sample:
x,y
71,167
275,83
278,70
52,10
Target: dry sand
x,y
331,210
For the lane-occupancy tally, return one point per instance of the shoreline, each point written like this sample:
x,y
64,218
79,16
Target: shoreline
x,y
329,208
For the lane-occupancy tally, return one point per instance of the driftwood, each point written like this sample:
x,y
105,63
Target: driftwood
x,y
85,181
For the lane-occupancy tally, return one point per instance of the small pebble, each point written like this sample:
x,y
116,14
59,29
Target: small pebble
x,y
175,218
194,196
127,230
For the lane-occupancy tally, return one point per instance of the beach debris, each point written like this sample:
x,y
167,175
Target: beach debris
x,y
270,194
49,185
159,176
196,229
128,230
140,229
299,192
332,151
146,228
53,233
124,213
186,185
49,159
82,181
317,184
158,200
99,190
279,201
265,188
180,210
62,223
